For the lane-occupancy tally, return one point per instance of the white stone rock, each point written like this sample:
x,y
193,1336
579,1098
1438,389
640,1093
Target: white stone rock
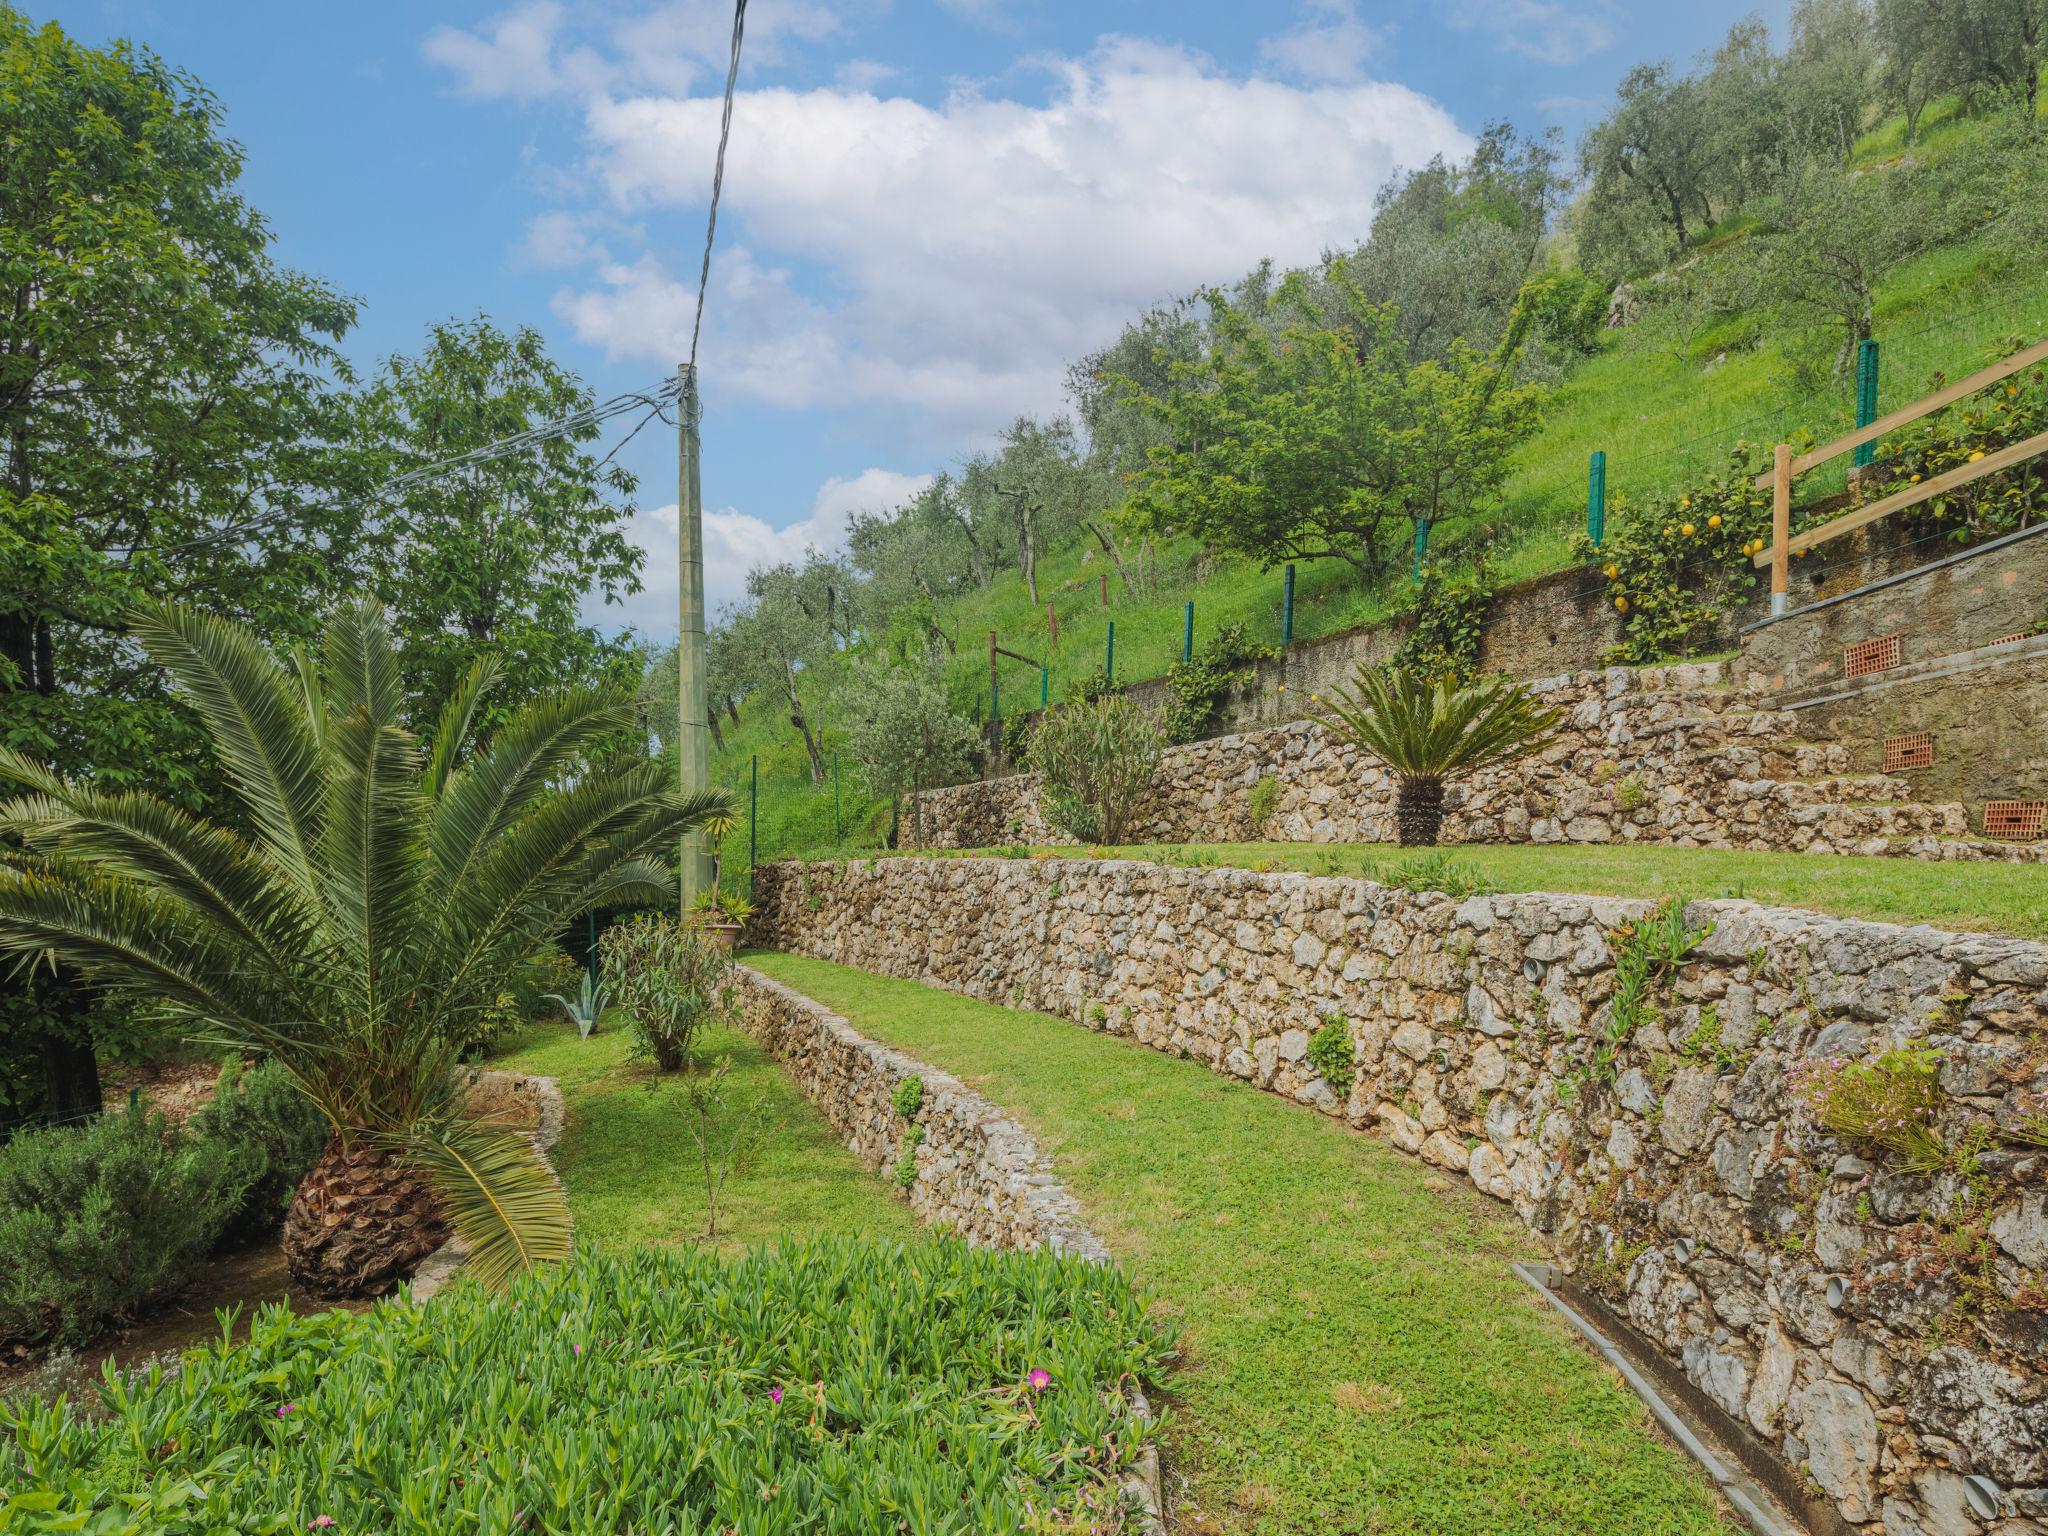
x,y
1840,1432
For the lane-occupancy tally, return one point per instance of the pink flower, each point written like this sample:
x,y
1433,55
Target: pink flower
x,y
576,1348
775,1395
1040,1379
319,1522
287,1408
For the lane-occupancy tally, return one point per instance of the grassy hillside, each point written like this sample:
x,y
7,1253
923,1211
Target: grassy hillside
x,y
1661,418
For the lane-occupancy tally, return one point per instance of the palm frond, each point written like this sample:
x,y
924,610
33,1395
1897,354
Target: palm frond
x,y
495,788
499,1193
219,879
451,732
258,727
359,667
1430,728
372,856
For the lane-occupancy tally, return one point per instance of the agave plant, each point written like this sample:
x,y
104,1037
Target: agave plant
x,y
1429,731
355,919
586,1008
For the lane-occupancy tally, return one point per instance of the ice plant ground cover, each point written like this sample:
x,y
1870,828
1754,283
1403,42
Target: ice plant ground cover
x,y
1356,1353
837,1386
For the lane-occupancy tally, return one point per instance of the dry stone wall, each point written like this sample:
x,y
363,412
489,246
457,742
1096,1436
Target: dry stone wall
x,y
1669,755
1884,1333
977,1170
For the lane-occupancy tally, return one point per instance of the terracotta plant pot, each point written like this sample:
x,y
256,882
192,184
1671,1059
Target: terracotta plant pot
x,y
724,935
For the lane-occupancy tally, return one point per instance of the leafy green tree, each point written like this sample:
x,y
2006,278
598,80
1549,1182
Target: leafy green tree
x,y
1430,730
1095,759
1038,480
794,618
362,922
1918,58
906,737
498,557
1314,442
168,401
1648,168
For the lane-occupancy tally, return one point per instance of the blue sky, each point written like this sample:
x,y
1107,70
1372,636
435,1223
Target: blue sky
x,y
931,205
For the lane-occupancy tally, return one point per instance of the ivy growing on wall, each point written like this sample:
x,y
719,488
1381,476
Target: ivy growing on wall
x,y
1197,687
1450,611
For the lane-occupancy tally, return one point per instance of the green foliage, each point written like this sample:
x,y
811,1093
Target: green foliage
x,y
671,980
1887,1106
1096,761
1304,437
1096,686
1447,622
364,921
905,1170
905,737
1647,955
1196,688
1435,871
537,978
586,1007
98,1220
1261,800
909,1097
501,558
2008,413
271,1130
1431,728
1333,1055
826,1386
1676,567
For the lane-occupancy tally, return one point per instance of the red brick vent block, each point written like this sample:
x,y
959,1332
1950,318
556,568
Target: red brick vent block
x,y
1903,752
2017,821
2025,634
1868,656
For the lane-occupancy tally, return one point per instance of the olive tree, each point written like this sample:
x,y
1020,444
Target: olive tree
x,y
906,738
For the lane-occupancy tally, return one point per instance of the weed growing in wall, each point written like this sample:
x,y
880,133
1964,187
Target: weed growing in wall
x,y
909,1097
1332,1054
1887,1106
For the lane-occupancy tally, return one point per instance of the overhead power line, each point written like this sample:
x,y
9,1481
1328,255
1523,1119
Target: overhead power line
x,y
732,75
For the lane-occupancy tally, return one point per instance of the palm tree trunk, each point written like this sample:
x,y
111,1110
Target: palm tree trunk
x,y
1419,812
360,1222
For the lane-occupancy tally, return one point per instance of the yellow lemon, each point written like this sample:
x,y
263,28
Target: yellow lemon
x,y
1977,455
1912,479
1621,604
1714,521
1613,572
1667,530
1687,530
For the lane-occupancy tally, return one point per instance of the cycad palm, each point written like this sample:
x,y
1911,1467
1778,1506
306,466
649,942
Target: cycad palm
x,y
1430,730
358,922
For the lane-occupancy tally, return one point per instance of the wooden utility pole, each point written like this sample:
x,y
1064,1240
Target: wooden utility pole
x,y
693,734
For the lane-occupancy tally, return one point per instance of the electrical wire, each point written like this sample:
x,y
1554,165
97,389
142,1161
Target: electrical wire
x,y
732,75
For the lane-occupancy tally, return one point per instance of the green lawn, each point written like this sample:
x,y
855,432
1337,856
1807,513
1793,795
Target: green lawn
x,y
631,1166
1357,1355
1971,897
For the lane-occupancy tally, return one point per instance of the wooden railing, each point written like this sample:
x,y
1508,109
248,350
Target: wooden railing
x,y
1783,541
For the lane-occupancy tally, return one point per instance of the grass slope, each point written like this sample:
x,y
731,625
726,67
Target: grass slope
x,y
1967,897
1358,1356
631,1165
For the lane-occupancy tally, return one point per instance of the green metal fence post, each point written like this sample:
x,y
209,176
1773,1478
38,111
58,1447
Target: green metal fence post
x,y
835,797
1421,543
1866,395
1287,609
1187,632
753,820
1109,655
1044,686
1596,496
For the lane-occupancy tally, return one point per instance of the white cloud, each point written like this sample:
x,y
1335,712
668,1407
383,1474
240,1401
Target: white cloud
x,y
735,542
1331,43
863,75
1547,31
525,53
955,256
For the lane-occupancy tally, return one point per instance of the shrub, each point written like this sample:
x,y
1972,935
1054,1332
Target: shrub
x,y
1197,687
536,981
905,1172
1450,613
1096,759
100,1219
259,1114
672,982
1262,801
1332,1054
910,1097
826,1387
1886,1106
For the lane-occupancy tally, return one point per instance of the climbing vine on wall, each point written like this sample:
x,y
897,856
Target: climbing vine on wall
x,y
1449,609
1197,687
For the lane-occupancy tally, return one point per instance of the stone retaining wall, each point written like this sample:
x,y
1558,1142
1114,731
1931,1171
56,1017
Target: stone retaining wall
x,y
1884,1333
978,1170
1668,755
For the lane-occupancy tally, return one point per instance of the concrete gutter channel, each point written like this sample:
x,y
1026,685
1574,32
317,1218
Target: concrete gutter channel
x,y
1759,1487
